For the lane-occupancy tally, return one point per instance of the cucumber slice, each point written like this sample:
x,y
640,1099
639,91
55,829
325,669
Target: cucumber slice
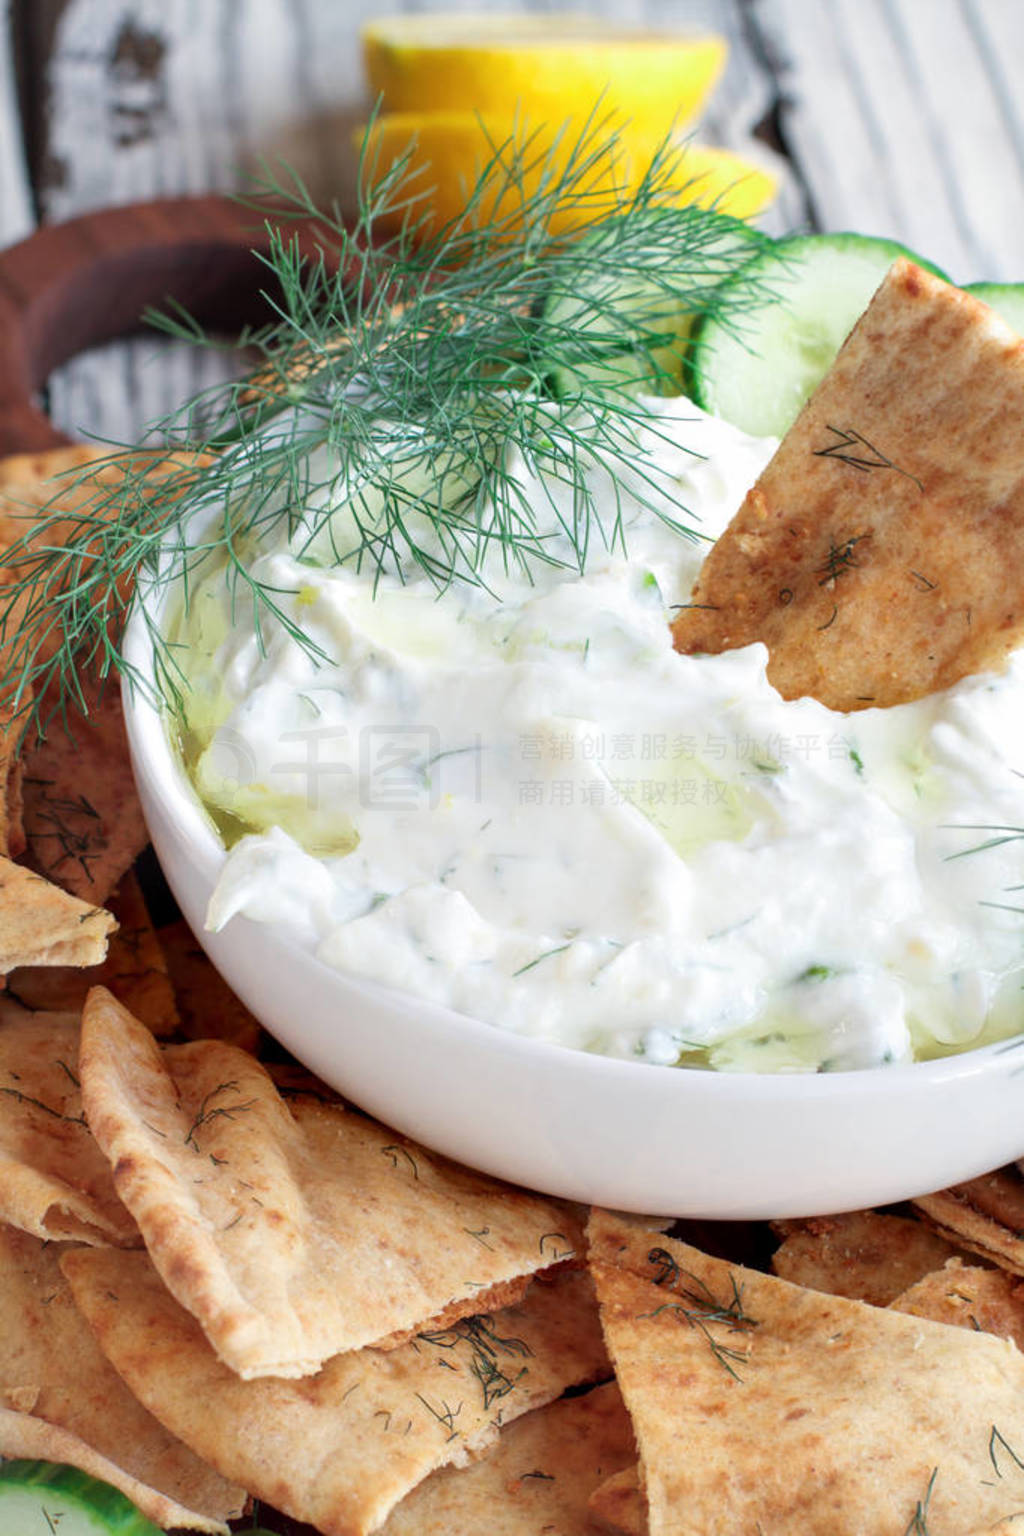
x,y
755,363
623,312
40,1498
1007,299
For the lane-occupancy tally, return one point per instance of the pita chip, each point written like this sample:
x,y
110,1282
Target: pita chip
x,y
1013,1525
340,1449
877,557
60,1400
29,483
83,821
538,1477
863,1255
25,1437
207,1007
135,970
42,925
967,1296
54,1180
620,1504
55,489
985,1216
292,1233
12,829
759,1404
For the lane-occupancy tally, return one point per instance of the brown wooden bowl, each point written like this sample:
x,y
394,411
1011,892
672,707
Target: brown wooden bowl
x,y
76,285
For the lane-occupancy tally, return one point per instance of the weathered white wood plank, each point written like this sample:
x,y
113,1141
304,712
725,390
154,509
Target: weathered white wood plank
x,y
904,121
744,100
16,216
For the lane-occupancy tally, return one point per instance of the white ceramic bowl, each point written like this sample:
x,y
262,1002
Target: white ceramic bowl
x,y
622,1134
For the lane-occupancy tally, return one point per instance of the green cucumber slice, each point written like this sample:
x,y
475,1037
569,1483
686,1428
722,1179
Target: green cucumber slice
x,y
1007,299
40,1498
621,313
757,366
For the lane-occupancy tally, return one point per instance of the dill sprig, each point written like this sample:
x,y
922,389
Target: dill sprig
x,y
486,1348
918,1523
208,1112
701,1309
404,368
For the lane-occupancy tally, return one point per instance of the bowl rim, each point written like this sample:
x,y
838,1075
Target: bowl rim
x,y
154,757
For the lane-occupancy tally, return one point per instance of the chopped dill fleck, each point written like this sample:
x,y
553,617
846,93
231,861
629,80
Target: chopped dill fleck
x,y
395,1151
205,1114
816,973
547,955
996,1440
918,1523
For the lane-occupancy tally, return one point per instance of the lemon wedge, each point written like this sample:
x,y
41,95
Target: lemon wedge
x,y
543,66
448,151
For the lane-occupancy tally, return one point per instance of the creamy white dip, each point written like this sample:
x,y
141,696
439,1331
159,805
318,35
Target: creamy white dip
x,y
522,803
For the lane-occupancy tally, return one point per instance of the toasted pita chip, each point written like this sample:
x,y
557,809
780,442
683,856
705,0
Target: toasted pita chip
x,y
877,555
42,925
341,1448
863,1255
292,1234
620,1504
75,1408
12,829
29,485
83,820
758,1404
23,1436
135,970
967,1296
62,485
207,1007
985,1216
12,843
538,1477
54,1180
29,482
1013,1525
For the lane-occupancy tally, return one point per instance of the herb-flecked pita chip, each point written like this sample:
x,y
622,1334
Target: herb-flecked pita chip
x,y
42,925
292,1233
206,1005
61,1400
759,1404
969,1297
134,970
863,1255
985,1216
538,1477
341,1448
12,829
620,1504
83,821
877,556
54,1180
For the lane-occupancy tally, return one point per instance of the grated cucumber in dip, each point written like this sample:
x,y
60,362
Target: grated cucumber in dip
x,y
519,801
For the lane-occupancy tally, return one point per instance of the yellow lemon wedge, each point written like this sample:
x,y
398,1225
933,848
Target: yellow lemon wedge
x,y
540,65
448,152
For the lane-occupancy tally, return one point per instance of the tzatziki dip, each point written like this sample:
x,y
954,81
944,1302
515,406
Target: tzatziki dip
x,y
516,799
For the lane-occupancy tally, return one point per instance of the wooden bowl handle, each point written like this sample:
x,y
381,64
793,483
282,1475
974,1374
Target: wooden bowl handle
x,y
76,285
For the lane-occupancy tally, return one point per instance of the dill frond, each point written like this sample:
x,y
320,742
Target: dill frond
x,y
403,368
